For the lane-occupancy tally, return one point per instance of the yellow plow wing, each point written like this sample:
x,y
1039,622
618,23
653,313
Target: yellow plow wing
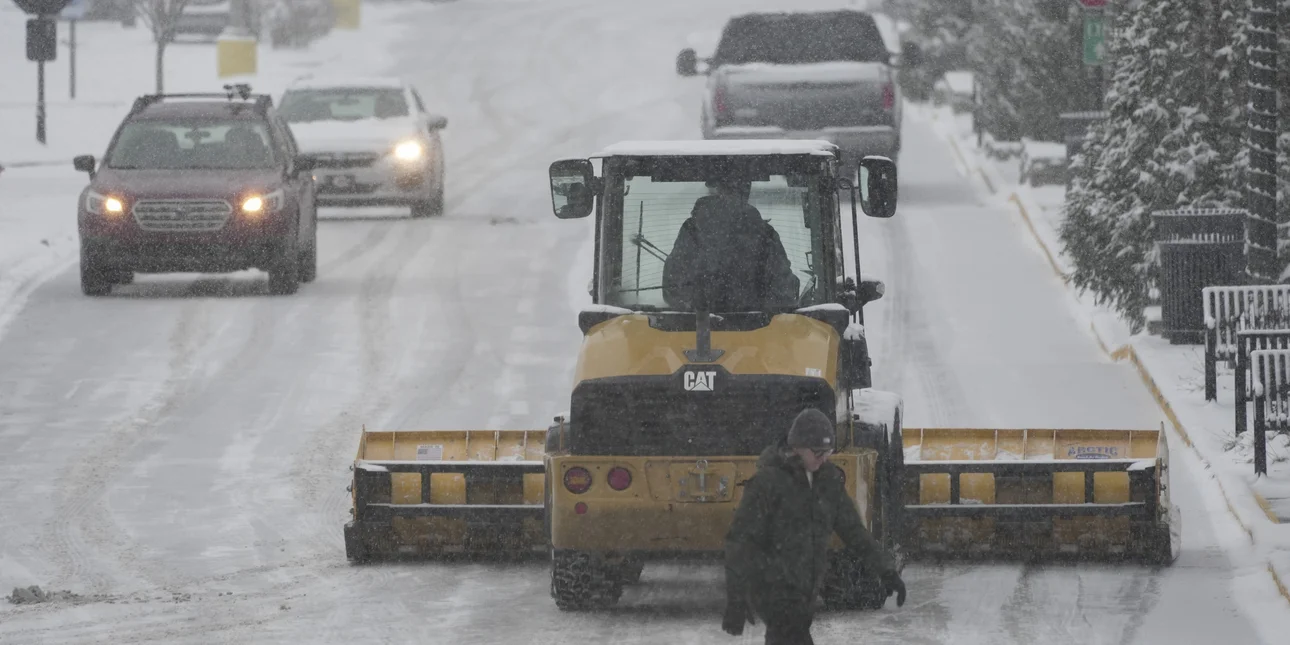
x,y
1037,492
447,491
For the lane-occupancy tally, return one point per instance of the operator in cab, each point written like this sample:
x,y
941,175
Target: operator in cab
x,y
726,258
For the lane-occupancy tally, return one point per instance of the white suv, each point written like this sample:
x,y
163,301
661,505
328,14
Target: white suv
x,y
372,140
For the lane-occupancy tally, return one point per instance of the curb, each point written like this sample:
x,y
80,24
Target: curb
x,y
1052,260
9,165
1128,352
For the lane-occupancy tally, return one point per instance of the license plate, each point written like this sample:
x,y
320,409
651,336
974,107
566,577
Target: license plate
x,y
341,182
701,481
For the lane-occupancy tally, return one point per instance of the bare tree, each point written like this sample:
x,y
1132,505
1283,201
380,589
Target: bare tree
x,y
160,16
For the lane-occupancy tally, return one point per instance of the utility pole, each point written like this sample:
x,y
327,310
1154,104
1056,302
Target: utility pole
x,y
1261,189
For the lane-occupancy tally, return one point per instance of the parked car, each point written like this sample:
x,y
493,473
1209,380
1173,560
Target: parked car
x,y
956,89
804,75
1043,162
295,23
372,142
198,183
204,19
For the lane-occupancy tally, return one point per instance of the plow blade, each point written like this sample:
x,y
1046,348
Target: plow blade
x,y
447,492
1038,493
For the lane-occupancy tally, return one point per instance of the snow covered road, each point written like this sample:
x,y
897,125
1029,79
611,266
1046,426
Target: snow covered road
x,y
177,453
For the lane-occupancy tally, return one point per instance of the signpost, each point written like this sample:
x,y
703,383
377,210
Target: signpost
x,y
42,46
75,10
1094,49
1094,38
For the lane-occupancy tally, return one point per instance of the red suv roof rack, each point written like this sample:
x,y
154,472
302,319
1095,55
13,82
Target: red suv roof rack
x,y
240,91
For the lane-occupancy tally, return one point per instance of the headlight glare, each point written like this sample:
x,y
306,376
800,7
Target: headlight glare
x,y
409,151
256,204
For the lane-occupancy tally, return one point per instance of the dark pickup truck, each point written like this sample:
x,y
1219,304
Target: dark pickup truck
x,y
804,75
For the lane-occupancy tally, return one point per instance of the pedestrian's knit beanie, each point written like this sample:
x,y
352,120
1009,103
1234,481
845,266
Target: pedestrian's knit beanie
x,y
811,429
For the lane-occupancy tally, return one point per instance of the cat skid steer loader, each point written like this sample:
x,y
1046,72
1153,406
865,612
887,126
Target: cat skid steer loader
x,y
673,399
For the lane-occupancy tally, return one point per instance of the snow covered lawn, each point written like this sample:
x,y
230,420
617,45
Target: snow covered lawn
x,y
1260,505
39,188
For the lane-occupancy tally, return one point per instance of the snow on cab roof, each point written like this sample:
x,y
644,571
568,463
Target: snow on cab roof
x,y
328,82
718,147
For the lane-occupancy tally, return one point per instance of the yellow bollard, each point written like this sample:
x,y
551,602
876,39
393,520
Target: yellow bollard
x,y
347,13
235,55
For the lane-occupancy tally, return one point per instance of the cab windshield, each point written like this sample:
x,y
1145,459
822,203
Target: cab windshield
x,y
192,145
678,234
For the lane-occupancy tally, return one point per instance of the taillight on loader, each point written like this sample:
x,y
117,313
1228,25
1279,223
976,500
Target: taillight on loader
x,y
620,478
577,480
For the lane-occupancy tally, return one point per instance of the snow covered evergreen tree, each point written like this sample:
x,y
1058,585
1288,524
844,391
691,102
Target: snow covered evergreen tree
x,y
1173,139
939,27
1027,59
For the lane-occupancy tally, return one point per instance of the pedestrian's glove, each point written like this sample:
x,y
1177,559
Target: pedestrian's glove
x,y
891,583
736,614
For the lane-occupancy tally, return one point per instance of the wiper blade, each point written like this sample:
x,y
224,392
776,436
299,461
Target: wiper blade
x,y
649,247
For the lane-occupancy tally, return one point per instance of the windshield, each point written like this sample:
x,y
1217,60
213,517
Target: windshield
x,y
802,38
677,240
343,104
192,145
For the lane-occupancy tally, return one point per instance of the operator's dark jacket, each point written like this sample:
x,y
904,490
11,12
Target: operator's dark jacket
x,y
777,546
729,259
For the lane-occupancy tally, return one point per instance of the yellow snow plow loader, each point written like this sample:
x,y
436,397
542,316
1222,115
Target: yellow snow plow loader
x,y
693,361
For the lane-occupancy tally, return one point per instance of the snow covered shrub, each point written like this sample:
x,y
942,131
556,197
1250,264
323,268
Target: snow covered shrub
x,y
1174,138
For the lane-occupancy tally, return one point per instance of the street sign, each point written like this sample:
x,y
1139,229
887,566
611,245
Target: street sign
x,y
1094,38
1093,4
75,10
41,7
42,39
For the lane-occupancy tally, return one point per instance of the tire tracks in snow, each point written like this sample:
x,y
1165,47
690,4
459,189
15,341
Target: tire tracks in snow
x,y
79,529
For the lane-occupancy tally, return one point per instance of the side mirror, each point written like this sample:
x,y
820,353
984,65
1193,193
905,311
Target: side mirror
x,y
85,163
878,186
436,122
687,62
911,55
572,196
871,290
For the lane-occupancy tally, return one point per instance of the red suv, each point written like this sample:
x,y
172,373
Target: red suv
x,y
202,183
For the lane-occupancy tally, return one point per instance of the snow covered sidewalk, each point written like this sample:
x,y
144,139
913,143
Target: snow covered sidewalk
x,y
39,187
1174,373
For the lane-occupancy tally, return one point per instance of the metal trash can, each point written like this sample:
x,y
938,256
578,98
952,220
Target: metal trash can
x,y
1075,126
1197,248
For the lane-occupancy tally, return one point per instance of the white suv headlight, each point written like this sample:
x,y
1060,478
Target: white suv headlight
x,y
410,150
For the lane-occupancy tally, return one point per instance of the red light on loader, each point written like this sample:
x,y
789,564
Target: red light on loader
x,y
620,478
577,480
580,508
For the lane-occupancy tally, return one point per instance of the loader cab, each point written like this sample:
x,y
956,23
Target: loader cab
x,y
647,194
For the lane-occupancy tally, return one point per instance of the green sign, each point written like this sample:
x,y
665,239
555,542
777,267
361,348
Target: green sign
x,y
1094,38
